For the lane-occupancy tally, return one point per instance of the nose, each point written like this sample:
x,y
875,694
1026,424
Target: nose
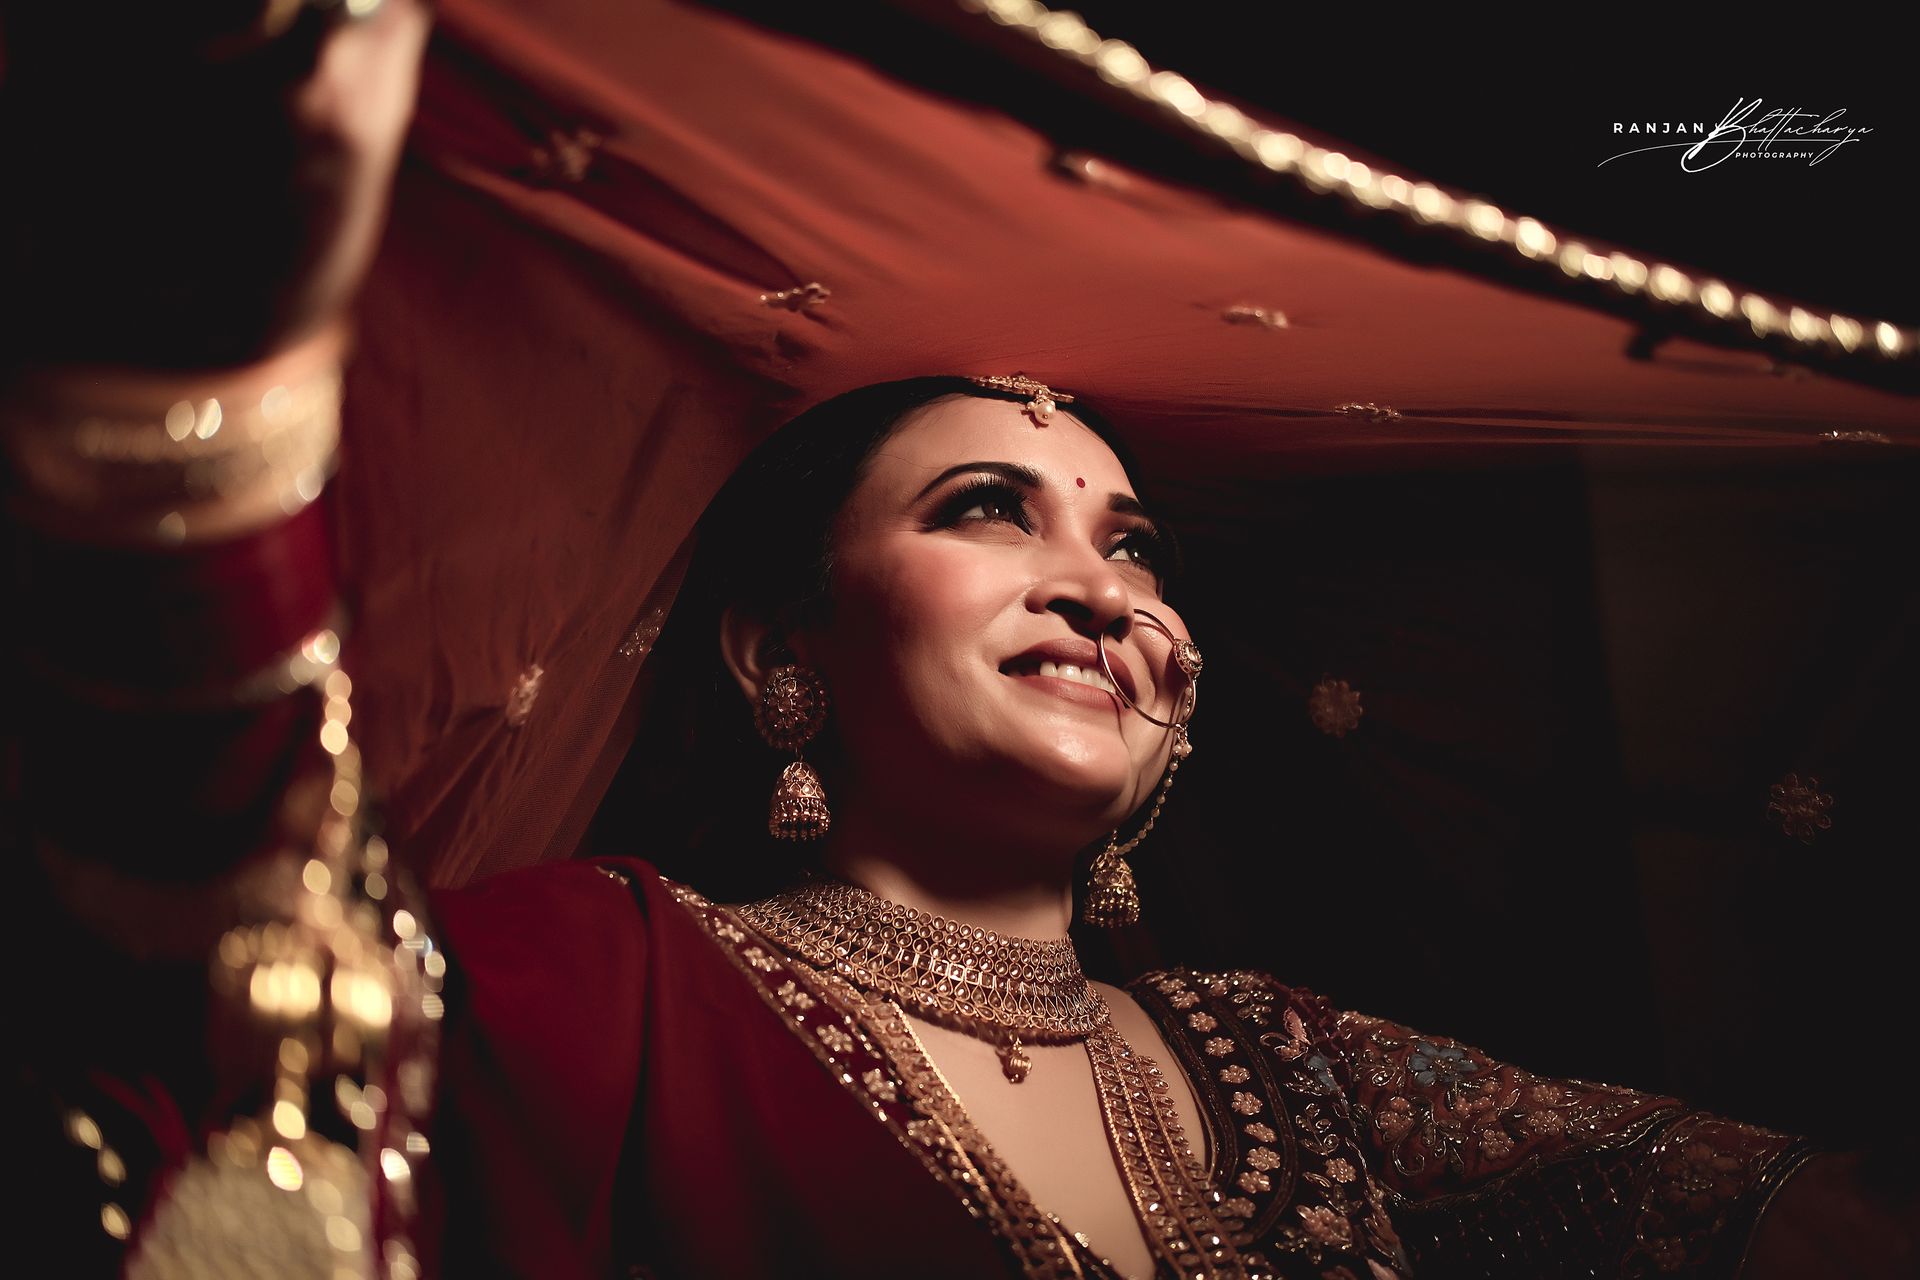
x,y
1088,590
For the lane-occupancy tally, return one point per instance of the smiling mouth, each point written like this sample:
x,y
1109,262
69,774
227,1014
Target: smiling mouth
x,y
1093,677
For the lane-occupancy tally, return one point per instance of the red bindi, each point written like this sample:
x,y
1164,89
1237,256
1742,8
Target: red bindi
x,y
1081,481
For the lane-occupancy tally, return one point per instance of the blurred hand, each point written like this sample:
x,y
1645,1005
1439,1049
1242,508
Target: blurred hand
x,y
186,190
1839,1218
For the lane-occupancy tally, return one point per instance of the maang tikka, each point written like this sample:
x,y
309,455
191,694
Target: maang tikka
x,y
792,709
1113,901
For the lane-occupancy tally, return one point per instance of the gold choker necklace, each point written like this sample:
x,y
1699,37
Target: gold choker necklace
x,y
960,976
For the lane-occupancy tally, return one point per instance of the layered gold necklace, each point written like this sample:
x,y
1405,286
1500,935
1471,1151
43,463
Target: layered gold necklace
x,y
1005,990
1000,989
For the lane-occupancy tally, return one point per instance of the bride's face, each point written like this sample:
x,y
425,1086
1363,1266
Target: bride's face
x,y
976,547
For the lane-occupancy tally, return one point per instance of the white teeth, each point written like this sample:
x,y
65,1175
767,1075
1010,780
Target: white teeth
x,y
1079,675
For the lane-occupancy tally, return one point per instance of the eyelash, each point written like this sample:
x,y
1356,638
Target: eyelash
x,y
1153,551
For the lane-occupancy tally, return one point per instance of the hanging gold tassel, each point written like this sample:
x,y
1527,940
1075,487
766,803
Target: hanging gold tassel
x,y
799,809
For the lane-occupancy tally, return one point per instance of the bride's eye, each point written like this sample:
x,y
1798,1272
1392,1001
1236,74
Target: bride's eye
x,y
984,500
1143,545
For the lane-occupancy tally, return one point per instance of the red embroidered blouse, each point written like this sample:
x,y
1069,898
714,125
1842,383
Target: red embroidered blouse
x,y
636,1083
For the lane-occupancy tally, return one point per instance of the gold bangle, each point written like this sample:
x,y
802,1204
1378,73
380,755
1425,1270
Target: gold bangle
x,y
164,461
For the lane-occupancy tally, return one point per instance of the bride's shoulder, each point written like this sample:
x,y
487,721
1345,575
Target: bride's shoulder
x,y
557,916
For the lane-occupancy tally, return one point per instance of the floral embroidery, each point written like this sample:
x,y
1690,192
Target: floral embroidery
x,y
729,932
1334,707
759,959
1372,1114
1320,1071
1701,1175
1707,1165
1394,1120
1546,1122
1799,808
793,997
1326,1226
834,1038
1430,1063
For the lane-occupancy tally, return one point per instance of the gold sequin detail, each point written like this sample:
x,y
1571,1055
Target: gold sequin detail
x,y
879,1085
568,154
523,694
1368,411
1263,317
798,298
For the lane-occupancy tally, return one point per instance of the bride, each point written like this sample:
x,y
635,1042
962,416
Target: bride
x,y
929,654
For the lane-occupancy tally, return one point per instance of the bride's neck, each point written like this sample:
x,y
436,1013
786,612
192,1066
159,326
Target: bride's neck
x,y
962,876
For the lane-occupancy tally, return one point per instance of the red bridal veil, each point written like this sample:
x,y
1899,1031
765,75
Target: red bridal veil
x,y
1537,646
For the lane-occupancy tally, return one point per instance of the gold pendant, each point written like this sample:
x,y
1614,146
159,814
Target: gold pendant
x,y
1014,1060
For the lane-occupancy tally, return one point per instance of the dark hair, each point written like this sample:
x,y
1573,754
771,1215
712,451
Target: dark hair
x,y
692,794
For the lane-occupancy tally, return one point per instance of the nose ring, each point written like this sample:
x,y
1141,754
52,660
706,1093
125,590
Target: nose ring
x,y
1186,656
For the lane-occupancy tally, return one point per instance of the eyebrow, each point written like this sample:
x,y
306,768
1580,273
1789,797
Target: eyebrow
x,y
1118,503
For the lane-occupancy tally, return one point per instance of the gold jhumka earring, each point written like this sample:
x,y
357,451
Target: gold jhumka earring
x,y
792,709
1113,901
